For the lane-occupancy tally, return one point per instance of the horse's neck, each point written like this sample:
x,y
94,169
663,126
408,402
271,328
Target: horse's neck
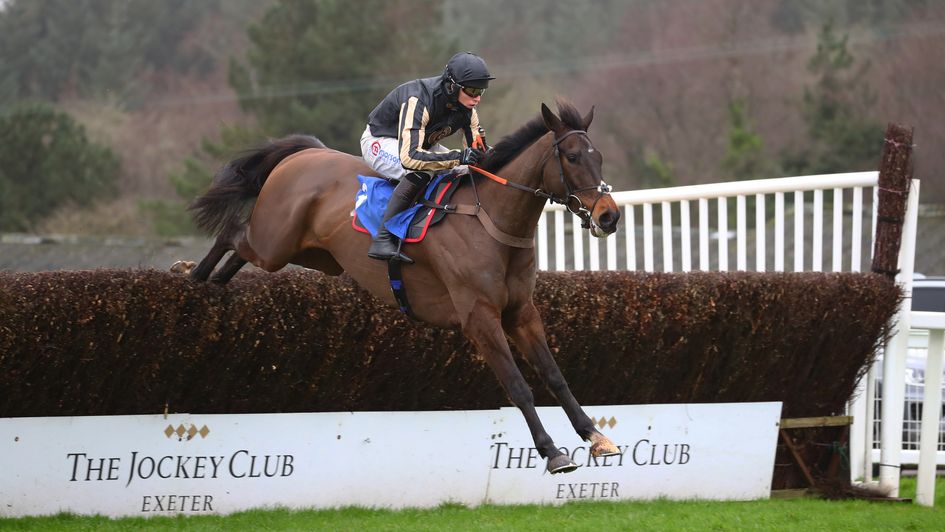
x,y
515,211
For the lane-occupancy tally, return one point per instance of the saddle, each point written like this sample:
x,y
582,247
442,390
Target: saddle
x,y
412,224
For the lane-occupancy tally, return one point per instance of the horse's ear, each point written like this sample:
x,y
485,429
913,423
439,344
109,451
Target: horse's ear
x,y
552,122
588,117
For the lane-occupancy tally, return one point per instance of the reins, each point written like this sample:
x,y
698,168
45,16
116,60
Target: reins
x,y
505,182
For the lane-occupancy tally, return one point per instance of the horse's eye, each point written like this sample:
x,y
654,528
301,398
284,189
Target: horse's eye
x,y
572,158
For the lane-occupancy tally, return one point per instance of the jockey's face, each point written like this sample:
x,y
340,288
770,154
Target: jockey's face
x,y
468,101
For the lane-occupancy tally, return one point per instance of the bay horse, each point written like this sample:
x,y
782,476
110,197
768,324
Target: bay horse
x,y
304,196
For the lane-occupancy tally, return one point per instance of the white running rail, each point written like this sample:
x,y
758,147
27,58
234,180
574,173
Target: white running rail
x,y
806,223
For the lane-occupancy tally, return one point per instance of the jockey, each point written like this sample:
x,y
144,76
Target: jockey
x,y
401,140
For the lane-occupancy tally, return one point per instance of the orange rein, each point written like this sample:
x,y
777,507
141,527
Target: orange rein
x,y
490,175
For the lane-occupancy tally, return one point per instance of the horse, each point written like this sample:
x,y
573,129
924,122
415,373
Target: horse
x,y
302,195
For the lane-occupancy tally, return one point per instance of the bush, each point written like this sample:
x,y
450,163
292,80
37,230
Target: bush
x,y
46,161
128,342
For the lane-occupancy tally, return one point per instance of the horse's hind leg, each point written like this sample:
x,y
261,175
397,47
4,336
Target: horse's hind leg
x,y
203,270
229,268
528,333
233,238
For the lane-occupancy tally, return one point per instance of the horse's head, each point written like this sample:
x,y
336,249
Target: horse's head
x,y
573,171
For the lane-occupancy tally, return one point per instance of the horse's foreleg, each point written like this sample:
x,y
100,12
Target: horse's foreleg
x,y
528,333
485,332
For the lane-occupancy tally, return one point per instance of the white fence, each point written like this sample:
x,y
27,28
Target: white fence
x,y
807,223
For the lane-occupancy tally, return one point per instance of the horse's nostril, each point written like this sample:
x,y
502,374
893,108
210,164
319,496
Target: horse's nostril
x,y
607,220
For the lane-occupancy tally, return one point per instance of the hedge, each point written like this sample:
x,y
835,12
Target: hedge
x,y
141,341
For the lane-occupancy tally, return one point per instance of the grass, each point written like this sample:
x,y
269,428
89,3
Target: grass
x,y
796,514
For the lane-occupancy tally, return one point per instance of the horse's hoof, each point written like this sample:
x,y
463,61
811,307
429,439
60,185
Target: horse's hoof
x,y
604,447
183,266
561,464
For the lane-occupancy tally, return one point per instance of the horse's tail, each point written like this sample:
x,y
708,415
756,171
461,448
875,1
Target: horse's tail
x,y
241,180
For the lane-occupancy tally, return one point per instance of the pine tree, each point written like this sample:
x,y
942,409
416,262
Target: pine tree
x,y
315,67
744,154
46,160
93,48
318,66
841,136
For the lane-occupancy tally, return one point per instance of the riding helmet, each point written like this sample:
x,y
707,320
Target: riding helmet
x,y
467,69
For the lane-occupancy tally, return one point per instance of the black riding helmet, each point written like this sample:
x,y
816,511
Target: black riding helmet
x,y
467,69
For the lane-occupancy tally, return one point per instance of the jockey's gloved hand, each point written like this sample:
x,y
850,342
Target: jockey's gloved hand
x,y
471,156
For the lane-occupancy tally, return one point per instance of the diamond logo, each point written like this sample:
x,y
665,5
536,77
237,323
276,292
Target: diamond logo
x,y
191,432
604,422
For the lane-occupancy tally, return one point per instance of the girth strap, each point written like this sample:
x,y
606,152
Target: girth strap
x,y
490,227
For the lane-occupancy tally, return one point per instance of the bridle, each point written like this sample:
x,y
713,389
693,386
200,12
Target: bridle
x,y
580,211
570,199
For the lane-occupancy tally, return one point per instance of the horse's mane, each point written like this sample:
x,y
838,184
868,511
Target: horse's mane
x,y
511,145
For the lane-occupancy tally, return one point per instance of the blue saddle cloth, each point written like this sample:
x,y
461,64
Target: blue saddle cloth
x,y
371,200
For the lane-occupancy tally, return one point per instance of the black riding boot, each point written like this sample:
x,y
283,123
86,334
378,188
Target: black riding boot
x,y
385,245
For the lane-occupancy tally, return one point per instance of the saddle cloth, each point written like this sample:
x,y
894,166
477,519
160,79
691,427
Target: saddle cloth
x,y
410,225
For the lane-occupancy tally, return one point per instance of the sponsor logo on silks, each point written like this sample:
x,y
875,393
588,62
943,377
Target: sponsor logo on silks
x,y
375,148
437,136
389,157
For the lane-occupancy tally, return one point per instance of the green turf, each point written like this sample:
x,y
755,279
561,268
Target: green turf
x,y
796,514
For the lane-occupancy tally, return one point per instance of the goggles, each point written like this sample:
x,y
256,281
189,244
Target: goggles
x,y
472,92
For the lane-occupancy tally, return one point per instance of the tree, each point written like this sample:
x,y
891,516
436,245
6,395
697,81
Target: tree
x,y
171,217
46,160
841,137
318,66
52,48
744,153
794,16
647,168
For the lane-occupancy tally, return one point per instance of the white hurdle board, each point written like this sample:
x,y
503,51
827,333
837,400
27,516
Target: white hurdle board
x,y
148,465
